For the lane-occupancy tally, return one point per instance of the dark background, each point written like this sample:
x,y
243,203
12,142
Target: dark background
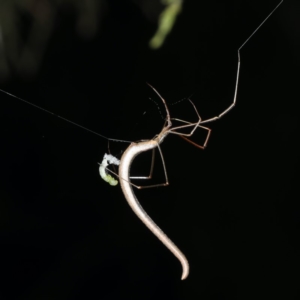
x,y
233,209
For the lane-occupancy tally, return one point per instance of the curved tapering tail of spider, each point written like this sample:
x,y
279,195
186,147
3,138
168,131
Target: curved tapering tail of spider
x,y
131,152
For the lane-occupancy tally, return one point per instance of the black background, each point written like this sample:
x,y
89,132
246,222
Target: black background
x,y
233,209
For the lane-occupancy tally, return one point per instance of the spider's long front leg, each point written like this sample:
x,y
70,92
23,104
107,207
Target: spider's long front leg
x,y
229,108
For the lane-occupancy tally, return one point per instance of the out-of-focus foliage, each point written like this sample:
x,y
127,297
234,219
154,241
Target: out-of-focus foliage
x,y
27,25
166,22
22,46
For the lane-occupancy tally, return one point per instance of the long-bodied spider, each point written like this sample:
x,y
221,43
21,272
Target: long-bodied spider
x,y
135,148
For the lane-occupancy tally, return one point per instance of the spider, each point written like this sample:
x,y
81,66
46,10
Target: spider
x,y
136,148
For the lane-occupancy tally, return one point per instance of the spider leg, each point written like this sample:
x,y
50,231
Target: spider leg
x,y
151,169
195,144
174,130
230,107
238,70
166,183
